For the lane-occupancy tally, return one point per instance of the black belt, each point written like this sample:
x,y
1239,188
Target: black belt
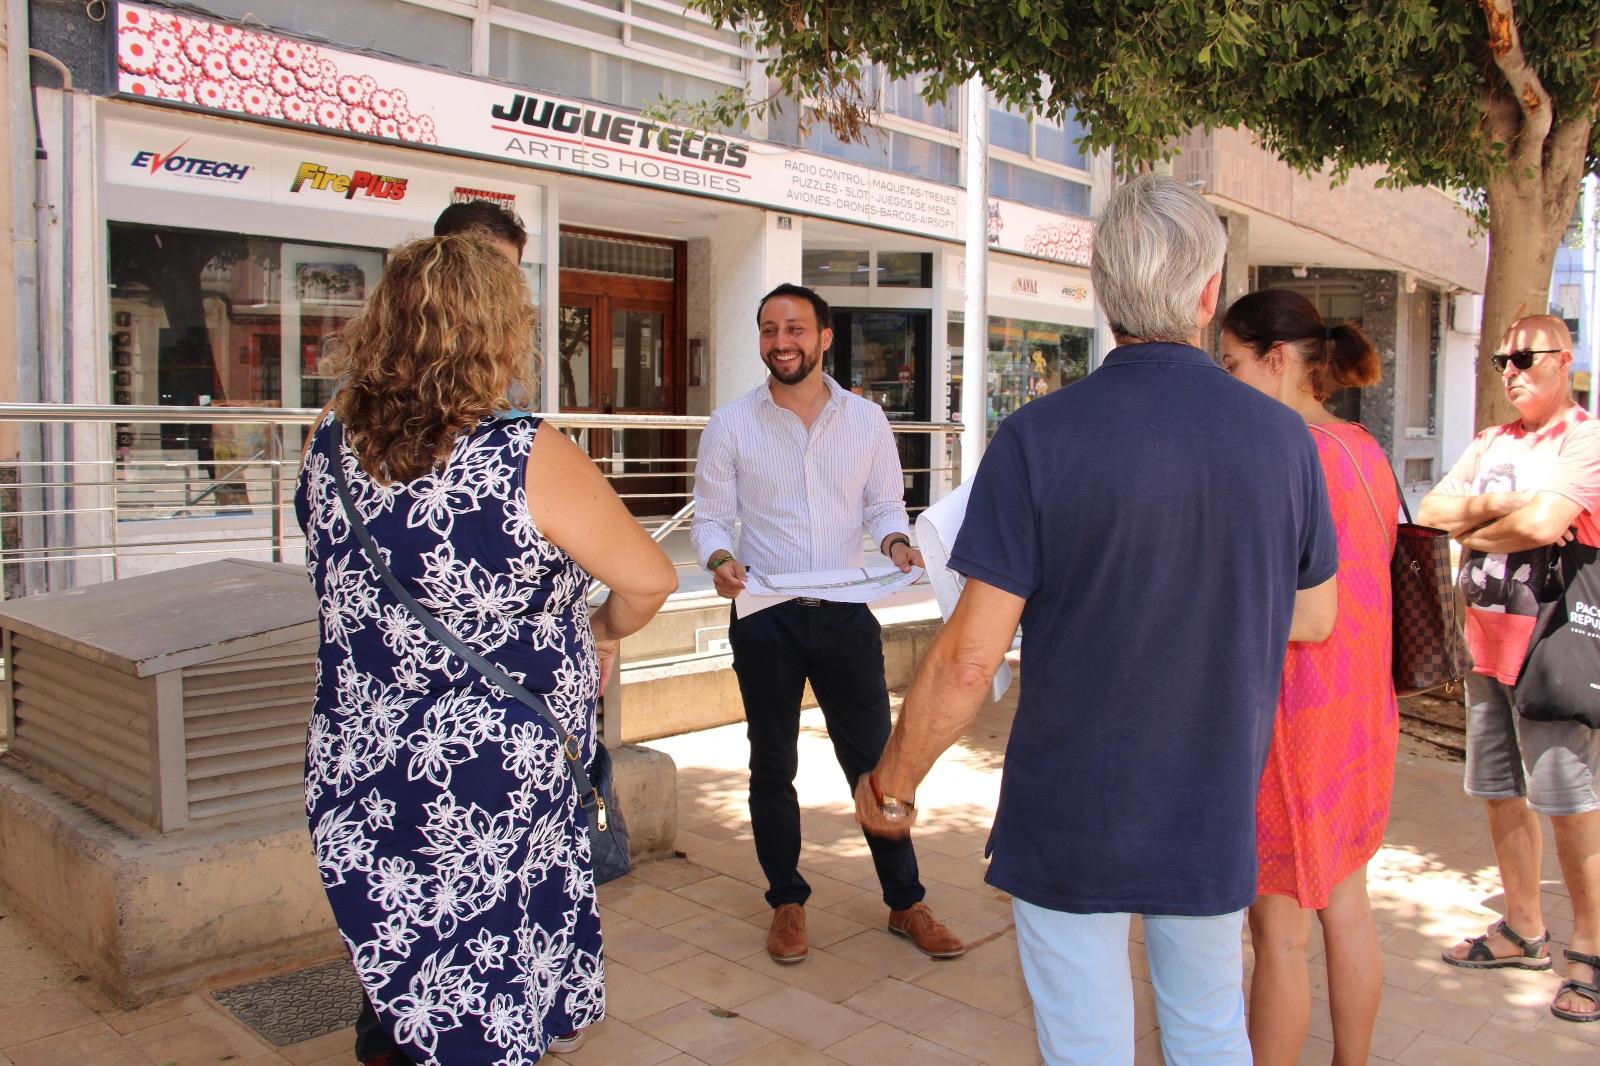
x,y
812,601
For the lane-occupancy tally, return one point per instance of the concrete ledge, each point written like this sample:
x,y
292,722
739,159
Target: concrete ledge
x,y
149,915
647,791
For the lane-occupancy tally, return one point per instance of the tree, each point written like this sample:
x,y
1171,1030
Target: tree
x,y
1497,99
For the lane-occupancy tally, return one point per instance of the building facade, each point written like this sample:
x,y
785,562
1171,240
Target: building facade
x,y
1405,265
222,182
1575,292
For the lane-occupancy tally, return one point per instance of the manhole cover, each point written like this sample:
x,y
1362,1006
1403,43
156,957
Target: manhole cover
x,y
297,1006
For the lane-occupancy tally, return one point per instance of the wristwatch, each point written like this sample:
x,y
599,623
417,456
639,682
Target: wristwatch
x,y
892,809
714,562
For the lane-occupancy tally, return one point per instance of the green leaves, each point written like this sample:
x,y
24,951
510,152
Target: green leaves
x,y
1340,82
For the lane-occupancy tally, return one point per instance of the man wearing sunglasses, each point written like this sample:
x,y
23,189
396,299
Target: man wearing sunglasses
x,y
1518,489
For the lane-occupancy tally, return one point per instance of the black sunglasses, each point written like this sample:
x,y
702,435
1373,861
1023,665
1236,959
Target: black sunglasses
x,y
1521,360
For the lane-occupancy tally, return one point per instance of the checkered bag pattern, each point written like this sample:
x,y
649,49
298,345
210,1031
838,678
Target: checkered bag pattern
x,y
1427,634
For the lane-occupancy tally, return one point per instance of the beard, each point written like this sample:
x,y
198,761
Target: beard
x,y
809,361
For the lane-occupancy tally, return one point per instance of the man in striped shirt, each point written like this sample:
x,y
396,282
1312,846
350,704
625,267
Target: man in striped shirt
x,y
804,466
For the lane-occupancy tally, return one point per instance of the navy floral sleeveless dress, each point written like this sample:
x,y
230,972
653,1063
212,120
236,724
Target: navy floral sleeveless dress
x,y
445,824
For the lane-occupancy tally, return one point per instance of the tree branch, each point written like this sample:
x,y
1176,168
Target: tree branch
x,y
1500,116
1505,44
1563,170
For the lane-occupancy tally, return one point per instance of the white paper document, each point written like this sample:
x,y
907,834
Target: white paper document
x,y
863,585
936,536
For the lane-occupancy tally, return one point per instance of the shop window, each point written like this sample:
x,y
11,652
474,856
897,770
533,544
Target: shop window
x,y
1058,143
224,320
688,35
603,21
392,27
924,159
835,267
783,127
1012,182
576,71
1027,359
903,97
1009,130
886,149
905,270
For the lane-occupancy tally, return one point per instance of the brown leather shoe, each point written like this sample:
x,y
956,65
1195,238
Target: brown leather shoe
x,y
918,925
786,940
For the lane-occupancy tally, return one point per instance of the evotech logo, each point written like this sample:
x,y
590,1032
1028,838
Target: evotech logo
x,y
376,186
172,162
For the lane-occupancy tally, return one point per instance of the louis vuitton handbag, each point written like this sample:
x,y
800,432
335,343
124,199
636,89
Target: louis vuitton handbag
x,y
1560,679
1428,649
608,833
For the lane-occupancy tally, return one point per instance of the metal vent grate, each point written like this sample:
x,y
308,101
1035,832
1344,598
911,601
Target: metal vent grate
x,y
299,1006
87,723
245,731
615,255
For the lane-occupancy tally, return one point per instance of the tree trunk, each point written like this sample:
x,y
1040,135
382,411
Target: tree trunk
x,y
1522,252
1528,215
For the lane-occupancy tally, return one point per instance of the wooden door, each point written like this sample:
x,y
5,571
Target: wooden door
x,y
621,353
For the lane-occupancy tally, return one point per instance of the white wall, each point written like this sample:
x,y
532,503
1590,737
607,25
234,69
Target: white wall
x,y
750,254
1458,377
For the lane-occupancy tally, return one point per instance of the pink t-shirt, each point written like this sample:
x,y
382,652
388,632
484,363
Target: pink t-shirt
x,y
1563,457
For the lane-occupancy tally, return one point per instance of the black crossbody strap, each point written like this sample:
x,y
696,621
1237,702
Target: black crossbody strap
x,y
437,629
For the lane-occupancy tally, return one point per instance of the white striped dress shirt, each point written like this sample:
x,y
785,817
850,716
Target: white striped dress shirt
x,y
802,497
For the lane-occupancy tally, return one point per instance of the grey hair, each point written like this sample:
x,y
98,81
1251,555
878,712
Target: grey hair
x,y
1155,246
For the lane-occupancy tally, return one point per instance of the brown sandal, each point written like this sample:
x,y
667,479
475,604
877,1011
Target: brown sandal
x,y
1535,952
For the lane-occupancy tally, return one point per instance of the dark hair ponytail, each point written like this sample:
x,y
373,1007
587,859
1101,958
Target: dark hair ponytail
x,y
1352,362
1335,357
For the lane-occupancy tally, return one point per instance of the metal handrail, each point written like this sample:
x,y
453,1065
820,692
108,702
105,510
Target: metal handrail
x,y
91,504
297,416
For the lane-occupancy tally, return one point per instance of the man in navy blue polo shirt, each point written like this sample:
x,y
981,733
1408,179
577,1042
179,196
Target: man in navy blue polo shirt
x,y
1161,532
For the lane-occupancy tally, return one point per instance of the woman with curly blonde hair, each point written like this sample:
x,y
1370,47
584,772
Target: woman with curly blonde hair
x,y
448,833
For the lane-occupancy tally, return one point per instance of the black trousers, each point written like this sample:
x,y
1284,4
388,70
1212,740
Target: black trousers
x,y
372,1039
839,649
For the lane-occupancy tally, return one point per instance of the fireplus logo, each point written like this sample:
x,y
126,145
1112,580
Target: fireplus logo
x,y
193,166
374,186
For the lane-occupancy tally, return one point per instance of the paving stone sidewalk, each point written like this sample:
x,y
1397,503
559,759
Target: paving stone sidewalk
x,y
689,980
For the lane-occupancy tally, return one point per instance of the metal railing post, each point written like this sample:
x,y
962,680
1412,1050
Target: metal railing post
x,y
611,707
275,459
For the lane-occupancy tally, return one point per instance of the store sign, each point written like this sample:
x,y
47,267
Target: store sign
x,y
256,170
172,162
506,201
315,176
170,57
1044,286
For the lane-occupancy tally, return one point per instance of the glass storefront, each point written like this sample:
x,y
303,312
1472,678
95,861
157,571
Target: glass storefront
x,y
204,319
1027,359
209,319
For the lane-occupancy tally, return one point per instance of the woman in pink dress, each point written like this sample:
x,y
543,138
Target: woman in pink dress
x,y
1325,794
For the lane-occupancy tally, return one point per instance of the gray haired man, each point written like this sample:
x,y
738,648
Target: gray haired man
x,y
1157,587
